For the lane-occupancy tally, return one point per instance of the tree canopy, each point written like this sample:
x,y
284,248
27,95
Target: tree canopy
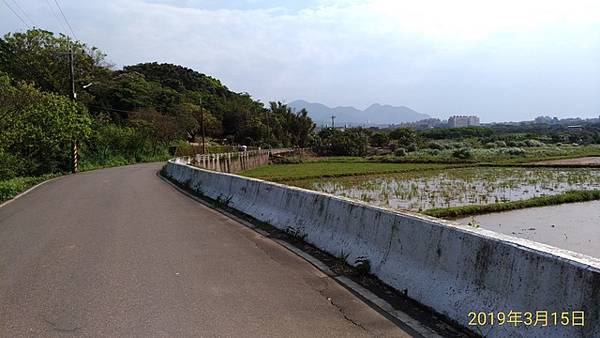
x,y
36,128
134,110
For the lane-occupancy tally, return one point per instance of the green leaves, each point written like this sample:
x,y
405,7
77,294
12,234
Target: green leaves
x,y
39,57
337,142
36,128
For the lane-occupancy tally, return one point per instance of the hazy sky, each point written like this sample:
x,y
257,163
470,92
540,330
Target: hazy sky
x,y
503,60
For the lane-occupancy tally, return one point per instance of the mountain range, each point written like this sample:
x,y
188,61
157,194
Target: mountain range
x,y
374,114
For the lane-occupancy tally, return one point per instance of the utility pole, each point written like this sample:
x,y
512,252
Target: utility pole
x,y
202,127
73,96
268,128
332,122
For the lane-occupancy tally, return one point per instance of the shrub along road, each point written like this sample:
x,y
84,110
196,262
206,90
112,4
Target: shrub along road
x,y
118,252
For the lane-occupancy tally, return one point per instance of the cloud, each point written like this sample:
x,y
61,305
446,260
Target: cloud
x,y
499,59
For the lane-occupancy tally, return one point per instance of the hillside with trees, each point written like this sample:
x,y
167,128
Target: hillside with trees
x,y
119,116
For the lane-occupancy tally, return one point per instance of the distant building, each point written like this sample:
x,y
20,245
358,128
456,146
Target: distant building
x,y
421,124
462,121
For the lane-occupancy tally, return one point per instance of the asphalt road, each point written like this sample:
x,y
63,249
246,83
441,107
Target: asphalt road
x,y
120,253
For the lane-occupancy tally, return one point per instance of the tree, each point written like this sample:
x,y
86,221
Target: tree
x,y
146,105
379,139
40,57
289,127
36,127
302,127
335,142
404,136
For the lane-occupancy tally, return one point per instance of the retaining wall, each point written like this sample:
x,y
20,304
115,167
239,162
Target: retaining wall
x,y
451,268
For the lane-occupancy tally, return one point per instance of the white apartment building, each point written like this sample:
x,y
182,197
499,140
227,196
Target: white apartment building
x,y
462,121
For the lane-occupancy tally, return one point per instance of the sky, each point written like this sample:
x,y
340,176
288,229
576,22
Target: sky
x,y
507,60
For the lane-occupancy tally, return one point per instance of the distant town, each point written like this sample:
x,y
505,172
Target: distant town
x,y
461,121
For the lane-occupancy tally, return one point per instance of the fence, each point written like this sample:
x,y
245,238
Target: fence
x,y
228,162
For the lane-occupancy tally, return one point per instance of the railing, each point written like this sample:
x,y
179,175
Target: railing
x,y
228,162
235,162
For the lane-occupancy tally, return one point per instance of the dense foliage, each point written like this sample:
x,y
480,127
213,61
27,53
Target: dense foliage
x,y
338,142
36,129
121,116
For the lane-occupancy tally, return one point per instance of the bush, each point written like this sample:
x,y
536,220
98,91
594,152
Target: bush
x,y
436,145
36,130
463,153
411,147
513,151
456,133
404,136
533,143
286,160
10,166
335,142
10,188
400,152
379,139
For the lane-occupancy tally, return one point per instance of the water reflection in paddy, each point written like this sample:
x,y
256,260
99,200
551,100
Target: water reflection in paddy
x,y
573,226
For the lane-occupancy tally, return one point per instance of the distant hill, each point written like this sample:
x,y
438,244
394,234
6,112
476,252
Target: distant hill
x,y
375,114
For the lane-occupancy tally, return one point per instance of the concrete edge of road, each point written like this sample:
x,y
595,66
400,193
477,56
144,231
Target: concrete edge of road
x,y
399,317
21,194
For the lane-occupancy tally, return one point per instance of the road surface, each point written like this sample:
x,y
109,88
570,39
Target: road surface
x,y
120,253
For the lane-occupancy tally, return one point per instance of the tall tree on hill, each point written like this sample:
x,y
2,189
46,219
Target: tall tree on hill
x,y
40,57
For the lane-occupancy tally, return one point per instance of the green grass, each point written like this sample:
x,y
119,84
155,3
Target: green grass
x,y
14,186
325,169
467,210
547,153
495,156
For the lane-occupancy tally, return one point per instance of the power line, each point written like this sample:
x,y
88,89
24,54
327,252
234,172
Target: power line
x,y
60,23
16,14
23,12
67,21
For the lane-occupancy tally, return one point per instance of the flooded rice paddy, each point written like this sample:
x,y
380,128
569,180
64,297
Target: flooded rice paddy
x,y
573,226
423,190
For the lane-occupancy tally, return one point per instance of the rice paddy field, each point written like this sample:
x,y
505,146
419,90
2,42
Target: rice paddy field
x,y
420,190
336,167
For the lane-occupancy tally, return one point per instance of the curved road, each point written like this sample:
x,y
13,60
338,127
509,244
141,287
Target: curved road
x,y
120,253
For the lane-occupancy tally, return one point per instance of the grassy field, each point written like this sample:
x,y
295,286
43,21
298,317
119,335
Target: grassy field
x,y
335,168
505,156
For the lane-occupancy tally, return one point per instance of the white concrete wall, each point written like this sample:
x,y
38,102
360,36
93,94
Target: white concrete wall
x,y
451,268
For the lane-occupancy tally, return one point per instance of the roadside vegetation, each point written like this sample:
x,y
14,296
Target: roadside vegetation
x,y
12,187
